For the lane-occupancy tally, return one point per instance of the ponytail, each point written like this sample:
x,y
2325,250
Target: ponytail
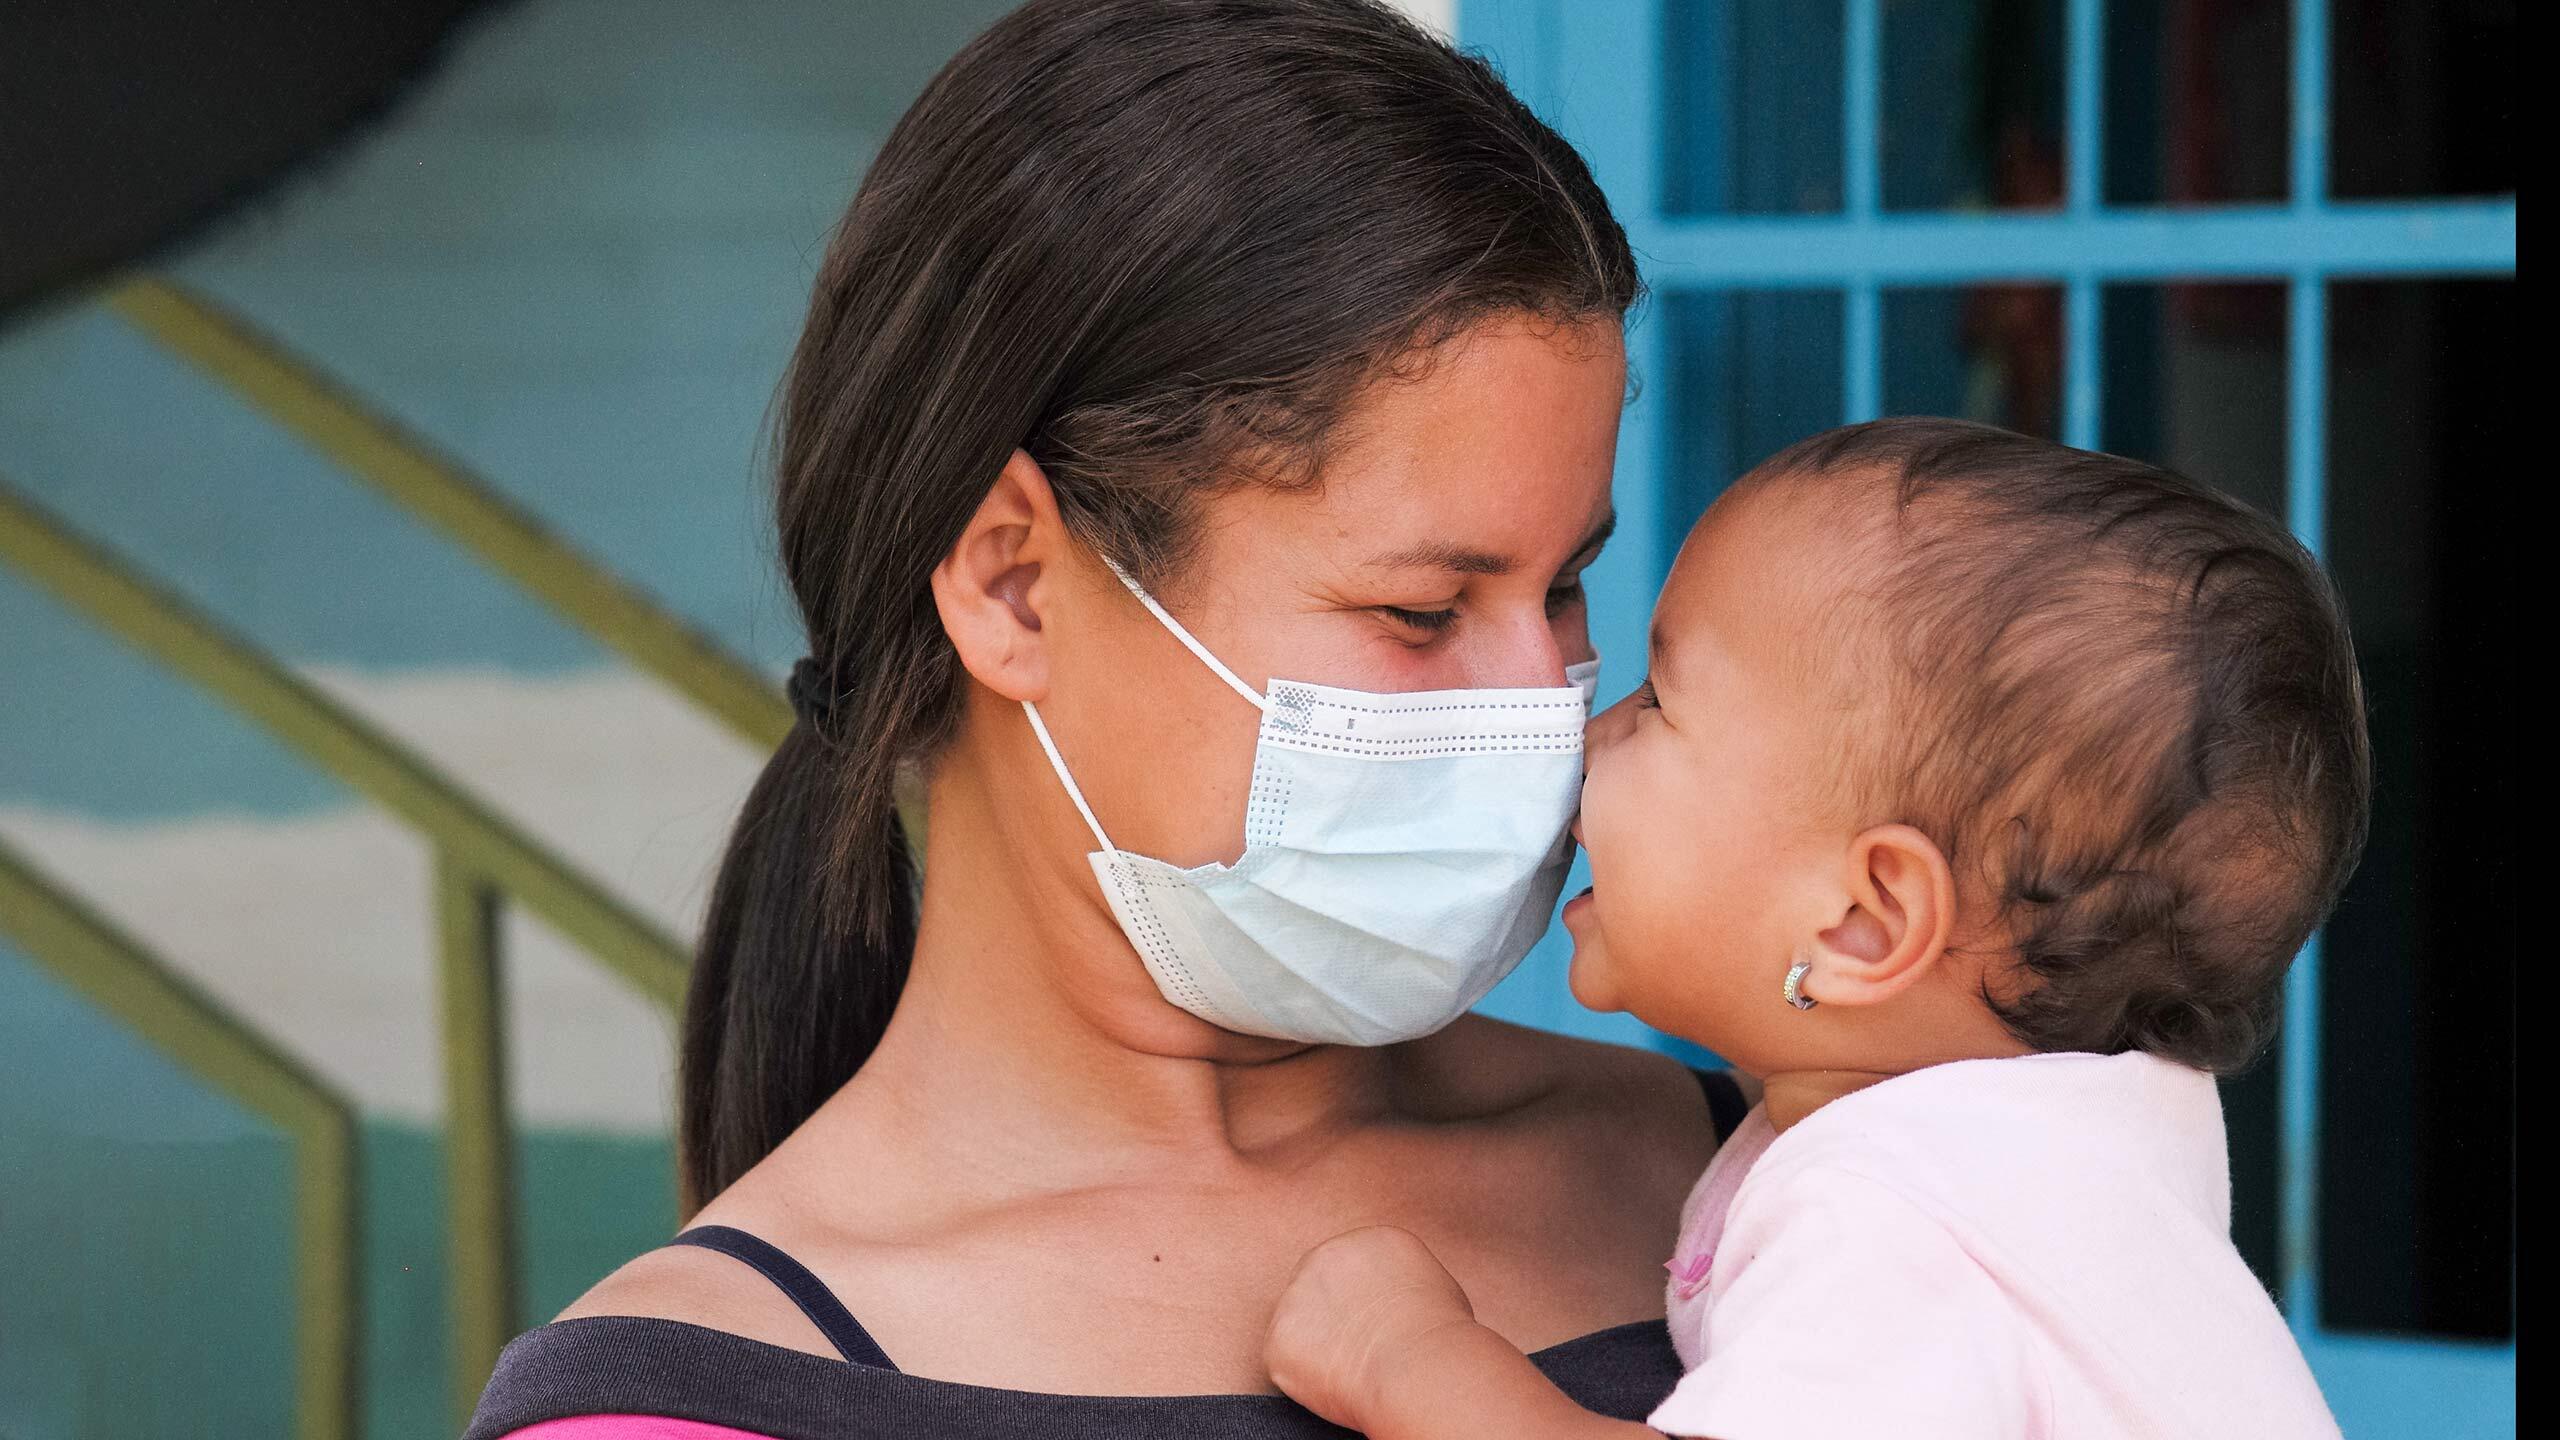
x,y
1161,246
788,998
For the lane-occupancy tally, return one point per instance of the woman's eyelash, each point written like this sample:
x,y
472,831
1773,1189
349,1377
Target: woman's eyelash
x,y
1438,620
1422,619
1645,698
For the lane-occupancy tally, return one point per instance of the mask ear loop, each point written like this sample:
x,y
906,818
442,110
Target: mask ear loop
x,y
1252,696
1059,764
1049,746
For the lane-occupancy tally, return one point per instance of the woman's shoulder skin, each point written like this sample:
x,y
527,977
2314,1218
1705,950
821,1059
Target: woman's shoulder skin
x,y
1635,1116
1561,1121
1490,1064
1581,1094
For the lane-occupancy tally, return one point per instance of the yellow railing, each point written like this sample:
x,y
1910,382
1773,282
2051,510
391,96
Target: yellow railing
x,y
481,859
122,978
408,471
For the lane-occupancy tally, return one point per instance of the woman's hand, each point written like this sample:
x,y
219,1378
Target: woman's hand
x,y
1359,1306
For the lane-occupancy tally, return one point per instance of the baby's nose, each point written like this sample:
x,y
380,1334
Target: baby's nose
x,y
1608,725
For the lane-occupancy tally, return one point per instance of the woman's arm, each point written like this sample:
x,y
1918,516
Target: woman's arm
x,y
1374,1334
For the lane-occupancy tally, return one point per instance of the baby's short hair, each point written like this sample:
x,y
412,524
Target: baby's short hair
x,y
2127,707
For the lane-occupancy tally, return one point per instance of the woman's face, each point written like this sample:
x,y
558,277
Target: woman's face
x,y
1442,550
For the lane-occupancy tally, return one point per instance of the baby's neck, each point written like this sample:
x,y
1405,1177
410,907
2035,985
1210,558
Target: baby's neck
x,y
1933,1024
1790,1096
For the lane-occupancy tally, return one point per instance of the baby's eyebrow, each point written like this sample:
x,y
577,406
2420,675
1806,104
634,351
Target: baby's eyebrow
x,y
1657,654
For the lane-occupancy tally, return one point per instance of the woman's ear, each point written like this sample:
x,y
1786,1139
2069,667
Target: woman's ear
x,y
990,589
1902,912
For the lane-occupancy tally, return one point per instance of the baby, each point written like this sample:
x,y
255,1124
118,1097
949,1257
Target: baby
x,y
1980,794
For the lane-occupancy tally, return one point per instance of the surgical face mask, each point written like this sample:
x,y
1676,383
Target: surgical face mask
x,y
1401,854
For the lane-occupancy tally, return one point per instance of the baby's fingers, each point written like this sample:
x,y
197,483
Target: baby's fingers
x,y
1352,1300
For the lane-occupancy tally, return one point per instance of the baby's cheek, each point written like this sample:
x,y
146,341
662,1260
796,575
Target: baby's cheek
x,y
1656,953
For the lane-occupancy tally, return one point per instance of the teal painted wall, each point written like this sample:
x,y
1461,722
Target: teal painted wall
x,y
144,1290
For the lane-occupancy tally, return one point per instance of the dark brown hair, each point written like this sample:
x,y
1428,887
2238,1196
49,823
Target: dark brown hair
x,y
1161,245
2128,710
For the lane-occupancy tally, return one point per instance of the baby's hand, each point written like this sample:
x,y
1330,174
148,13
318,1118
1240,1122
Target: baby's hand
x,y
1357,1303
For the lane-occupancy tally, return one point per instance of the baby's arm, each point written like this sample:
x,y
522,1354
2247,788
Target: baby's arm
x,y
1374,1334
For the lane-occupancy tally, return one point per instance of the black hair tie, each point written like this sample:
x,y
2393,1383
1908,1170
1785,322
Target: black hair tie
x,y
813,700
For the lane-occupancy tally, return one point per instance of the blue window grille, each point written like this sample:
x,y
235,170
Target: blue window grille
x,y
1599,69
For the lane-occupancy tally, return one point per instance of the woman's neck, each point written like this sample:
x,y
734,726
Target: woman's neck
x,y
1030,1034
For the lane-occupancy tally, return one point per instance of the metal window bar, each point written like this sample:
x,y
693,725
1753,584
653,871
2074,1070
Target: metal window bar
x,y
2084,107
1862,201
2306,511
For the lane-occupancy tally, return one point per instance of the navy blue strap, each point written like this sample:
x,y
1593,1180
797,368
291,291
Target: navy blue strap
x,y
1725,1103
804,1289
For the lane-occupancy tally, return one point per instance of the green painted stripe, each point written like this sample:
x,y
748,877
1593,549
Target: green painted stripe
x,y
120,977
160,624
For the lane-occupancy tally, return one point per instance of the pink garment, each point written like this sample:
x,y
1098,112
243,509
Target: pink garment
x,y
1987,1250
629,1427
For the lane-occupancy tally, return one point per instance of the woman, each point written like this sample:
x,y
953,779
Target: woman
x,y
1172,354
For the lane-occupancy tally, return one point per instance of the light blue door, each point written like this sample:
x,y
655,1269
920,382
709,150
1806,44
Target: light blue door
x,y
1777,242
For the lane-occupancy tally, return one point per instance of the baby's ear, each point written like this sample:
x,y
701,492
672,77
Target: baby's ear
x,y
1901,913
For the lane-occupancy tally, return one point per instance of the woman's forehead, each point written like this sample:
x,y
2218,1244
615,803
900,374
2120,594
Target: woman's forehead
x,y
1497,458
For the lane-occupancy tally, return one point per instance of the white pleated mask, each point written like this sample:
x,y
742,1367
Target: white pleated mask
x,y
1401,854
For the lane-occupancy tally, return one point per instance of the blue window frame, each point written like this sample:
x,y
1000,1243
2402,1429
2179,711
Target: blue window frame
x,y
1814,266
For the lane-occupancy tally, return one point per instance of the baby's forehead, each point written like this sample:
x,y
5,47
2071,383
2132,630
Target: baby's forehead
x,y
1770,575
1778,545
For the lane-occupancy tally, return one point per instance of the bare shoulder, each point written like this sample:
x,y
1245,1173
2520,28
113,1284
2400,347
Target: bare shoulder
x,y
1614,1134
701,1287
1485,1065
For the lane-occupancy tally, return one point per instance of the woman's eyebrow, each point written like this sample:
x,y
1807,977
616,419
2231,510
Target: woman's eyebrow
x,y
1589,549
1443,555
1465,560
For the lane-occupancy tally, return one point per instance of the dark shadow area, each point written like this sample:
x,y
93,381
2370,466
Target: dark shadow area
x,y
2417,1195
125,128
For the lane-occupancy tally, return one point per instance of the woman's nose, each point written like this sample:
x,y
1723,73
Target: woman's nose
x,y
1527,659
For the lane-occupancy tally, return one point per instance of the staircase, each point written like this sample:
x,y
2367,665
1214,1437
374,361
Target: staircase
x,y
481,862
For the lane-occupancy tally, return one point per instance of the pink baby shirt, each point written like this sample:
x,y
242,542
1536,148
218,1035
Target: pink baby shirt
x,y
2035,1247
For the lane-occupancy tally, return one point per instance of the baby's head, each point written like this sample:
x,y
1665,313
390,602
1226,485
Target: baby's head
x,y
2015,747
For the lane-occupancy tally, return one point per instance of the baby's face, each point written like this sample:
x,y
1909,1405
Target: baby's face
x,y
1710,809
